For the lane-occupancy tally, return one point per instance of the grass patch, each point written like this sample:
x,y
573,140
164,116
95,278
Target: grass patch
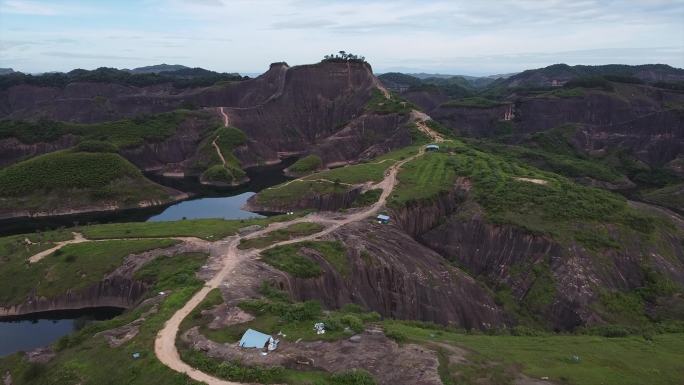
x,y
75,179
209,229
74,267
306,164
121,133
333,181
573,359
424,177
64,170
226,139
367,198
380,104
473,102
290,259
670,196
85,359
292,231
576,92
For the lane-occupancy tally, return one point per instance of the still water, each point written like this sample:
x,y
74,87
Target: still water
x,y
223,207
207,202
42,329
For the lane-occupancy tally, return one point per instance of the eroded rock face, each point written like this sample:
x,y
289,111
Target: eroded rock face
x,y
512,257
634,117
324,202
389,272
117,289
116,292
12,150
286,111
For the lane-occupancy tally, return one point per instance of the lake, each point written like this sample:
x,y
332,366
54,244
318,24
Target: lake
x,y
207,202
42,329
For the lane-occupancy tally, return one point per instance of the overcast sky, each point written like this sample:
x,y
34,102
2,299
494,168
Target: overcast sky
x,y
473,37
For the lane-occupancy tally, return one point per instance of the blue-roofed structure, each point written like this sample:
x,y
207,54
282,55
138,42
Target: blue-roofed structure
x,y
432,147
254,339
382,218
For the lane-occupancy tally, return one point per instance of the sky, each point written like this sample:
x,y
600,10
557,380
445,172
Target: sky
x,y
473,37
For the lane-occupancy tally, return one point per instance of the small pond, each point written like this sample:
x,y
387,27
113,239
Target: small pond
x,y
42,329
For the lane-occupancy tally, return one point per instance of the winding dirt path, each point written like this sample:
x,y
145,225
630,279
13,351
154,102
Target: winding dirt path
x,y
78,238
165,343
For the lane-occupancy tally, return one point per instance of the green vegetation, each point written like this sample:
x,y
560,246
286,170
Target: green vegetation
x,y
423,178
576,92
513,193
333,181
209,229
275,313
167,272
86,359
64,170
179,78
74,266
306,164
290,259
473,102
77,178
577,360
235,371
292,231
380,104
226,139
121,133
95,146
367,198
671,196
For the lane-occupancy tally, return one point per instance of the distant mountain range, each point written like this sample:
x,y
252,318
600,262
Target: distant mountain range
x,y
159,68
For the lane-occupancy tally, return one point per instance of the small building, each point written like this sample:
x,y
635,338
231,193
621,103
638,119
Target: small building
x,y
431,148
254,339
382,218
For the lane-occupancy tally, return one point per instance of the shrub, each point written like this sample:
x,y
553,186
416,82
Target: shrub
x,y
308,163
354,377
95,146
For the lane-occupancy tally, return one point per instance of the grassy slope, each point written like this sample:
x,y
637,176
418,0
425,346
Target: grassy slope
x,y
306,164
608,361
209,229
671,196
292,231
275,313
88,360
290,259
227,138
72,267
372,171
556,208
78,178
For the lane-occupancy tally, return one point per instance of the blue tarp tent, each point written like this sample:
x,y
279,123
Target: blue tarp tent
x,y
254,339
383,218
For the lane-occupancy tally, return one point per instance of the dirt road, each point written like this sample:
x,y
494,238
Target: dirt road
x,y
165,344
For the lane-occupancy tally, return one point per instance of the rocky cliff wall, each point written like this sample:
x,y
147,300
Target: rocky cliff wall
x,y
325,202
391,273
117,292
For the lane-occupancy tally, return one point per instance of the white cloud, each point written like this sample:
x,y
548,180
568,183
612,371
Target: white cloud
x,y
28,8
